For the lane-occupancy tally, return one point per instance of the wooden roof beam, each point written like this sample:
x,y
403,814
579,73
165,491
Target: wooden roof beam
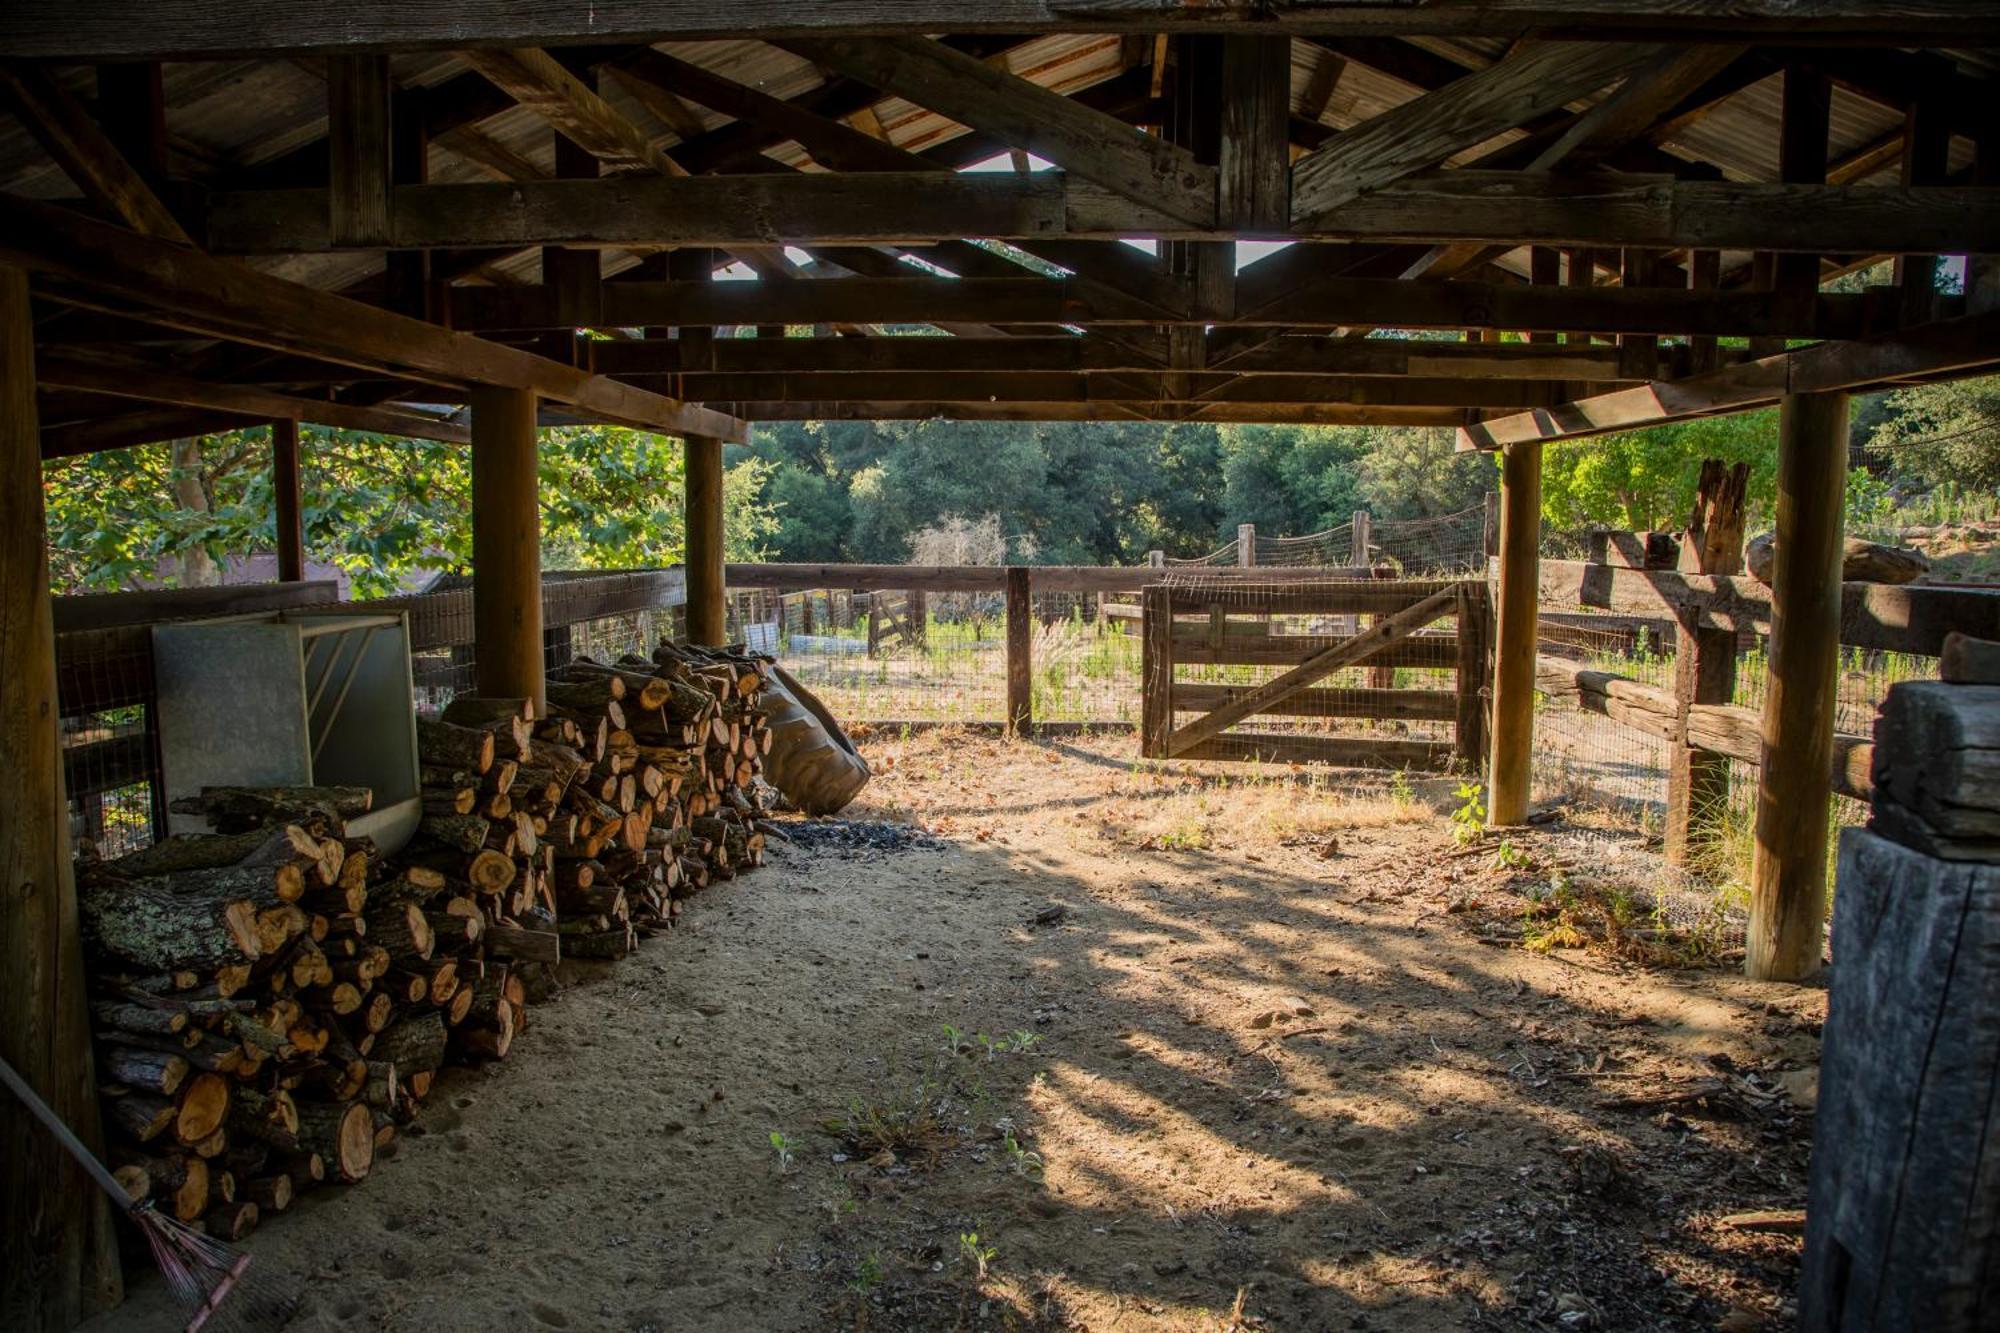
x,y
1025,115
128,381
85,152
1467,112
110,29
1327,414
1496,207
192,291
1948,348
1331,302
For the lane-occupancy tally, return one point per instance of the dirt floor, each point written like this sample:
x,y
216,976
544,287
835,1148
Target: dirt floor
x,y
1118,1047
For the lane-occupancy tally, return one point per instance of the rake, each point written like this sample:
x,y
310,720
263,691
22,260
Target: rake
x,y
202,1271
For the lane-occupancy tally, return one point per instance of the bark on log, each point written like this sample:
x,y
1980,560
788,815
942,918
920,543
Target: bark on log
x,y
458,747
151,924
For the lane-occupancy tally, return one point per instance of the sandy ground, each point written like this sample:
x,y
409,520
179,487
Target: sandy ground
x,y
1182,1053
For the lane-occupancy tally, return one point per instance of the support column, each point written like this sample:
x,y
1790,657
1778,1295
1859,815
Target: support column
x,y
705,598
58,1255
1788,868
506,547
285,490
1514,664
1246,544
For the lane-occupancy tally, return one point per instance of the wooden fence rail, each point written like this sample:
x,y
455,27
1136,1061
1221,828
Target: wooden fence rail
x,y
1880,617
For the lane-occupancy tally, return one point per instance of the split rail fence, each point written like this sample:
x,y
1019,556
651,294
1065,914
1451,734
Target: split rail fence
x,y
1691,708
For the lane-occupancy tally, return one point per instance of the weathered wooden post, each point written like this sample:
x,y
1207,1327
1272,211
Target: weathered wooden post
x,y
291,541
917,617
1156,559
1246,544
707,621
1156,677
1020,635
506,547
1514,663
58,1256
1788,865
1903,1211
1361,528
1489,526
1704,659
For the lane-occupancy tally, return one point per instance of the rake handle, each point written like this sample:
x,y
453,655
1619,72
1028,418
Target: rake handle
x,y
73,1145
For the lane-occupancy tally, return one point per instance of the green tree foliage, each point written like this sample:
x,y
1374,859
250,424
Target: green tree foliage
x,y
1291,480
1416,472
1933,435
379,507
1644,480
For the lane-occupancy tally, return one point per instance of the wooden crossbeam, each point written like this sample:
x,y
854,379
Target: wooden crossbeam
x,y
123,381
1025,115
1328,303
111,30
1298,355
1467,112
1384,633
85,152
1629,114
538,81
185,289
1149,386
1948,347
1313,414
1500,207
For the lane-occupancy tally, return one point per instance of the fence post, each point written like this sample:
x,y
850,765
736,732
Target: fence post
x,y
1704,661
1020,634
874,622
706,610
1489,532
1156,671
1514,662
1156,559
917,611
806,612
1475,615
1788,867
1246,544
1362,536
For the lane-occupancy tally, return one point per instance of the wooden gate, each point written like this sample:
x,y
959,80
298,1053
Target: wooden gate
x,y
1227,623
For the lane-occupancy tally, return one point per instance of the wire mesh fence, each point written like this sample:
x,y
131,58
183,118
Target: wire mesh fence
x,y
891,656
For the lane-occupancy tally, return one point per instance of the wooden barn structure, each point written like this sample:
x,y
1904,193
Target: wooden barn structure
x,y
1528,220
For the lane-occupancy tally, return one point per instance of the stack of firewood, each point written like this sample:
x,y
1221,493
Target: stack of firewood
x,y
235,1007
580,829
272,999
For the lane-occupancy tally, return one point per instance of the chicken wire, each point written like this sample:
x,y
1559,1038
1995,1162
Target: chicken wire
x,y
105,733
887,657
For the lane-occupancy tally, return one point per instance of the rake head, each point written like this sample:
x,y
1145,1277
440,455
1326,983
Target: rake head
x,y
212,1280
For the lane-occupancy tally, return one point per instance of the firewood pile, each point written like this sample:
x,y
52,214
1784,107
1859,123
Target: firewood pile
x,y
272,1000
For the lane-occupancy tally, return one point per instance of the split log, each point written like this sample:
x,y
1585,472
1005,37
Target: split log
x,y
415,1045
458,747
203,1106
343,1134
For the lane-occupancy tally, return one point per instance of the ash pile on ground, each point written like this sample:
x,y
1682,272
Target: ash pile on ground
x,y
857,837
